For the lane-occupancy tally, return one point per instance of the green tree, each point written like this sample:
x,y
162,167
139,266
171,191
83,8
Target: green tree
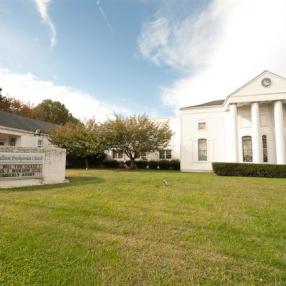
x,y
53,111
134,135
81,140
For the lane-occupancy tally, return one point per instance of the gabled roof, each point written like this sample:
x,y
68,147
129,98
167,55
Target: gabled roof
x,y
264,73
206,104
15,121
254,90
251,90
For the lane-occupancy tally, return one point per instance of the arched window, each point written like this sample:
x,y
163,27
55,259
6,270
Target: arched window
x,y
202,150
264,146
247,149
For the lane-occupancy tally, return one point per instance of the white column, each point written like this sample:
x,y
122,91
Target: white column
x,y
256,138
233,132
279,132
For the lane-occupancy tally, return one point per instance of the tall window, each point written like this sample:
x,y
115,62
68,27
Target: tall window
x,y
117,154
247,148
202,150
165,154
40,142
143,156
264,146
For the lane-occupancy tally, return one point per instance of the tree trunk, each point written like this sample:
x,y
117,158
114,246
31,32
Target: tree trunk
x,y
86,163
132,163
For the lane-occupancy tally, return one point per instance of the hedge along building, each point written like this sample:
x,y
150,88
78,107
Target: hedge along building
x,y
26,155
248,126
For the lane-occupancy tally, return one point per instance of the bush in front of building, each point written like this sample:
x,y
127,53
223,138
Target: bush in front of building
x,y
164,165
175,164
142,164
78,162
249,170
153,164
113,164
127,163
169,164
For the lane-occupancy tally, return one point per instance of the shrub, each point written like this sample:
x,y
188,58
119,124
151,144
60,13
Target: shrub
x,y
249,170
112,164
74,162
175,164
96,161
153,165
164,165
77,162
142,164
128,163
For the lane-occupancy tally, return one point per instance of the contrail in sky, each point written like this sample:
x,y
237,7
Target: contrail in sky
x,y
104,15
42,7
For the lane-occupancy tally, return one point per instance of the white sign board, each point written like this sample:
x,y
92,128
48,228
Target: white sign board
x,y
21,165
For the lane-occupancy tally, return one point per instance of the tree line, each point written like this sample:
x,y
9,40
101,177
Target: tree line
x,y
131,135
48,110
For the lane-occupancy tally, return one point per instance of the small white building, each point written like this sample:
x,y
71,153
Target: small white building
x,y
21,131
247,126
26,155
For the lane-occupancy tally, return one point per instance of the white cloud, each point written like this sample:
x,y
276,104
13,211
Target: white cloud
x,y
29,88
218,49
154,39
42,7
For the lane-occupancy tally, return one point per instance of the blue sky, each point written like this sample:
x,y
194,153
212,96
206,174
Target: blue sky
x,y
133,56
91,54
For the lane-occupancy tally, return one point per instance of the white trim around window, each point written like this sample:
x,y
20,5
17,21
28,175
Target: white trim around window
x,y
165,154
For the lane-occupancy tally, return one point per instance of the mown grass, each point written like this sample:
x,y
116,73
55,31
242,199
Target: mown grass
x,y
127,228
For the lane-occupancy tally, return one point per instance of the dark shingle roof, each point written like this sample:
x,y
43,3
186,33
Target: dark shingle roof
x,y
206,104
24,123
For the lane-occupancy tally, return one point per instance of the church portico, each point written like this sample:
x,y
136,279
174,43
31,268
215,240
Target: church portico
x,y
249,126
260,122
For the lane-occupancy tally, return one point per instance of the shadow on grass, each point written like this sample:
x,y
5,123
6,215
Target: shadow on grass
x,y
73,182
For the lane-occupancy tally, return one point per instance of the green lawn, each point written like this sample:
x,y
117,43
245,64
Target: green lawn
x,y
127,228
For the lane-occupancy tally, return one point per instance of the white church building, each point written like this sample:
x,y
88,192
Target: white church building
x,y
247,126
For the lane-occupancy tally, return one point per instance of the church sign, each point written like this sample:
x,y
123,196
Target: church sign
x,y
21,165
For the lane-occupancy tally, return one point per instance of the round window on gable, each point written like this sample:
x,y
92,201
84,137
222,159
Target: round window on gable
x,y
266,82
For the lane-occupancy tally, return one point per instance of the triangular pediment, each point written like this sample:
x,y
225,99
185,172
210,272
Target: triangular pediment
x,y
266,85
